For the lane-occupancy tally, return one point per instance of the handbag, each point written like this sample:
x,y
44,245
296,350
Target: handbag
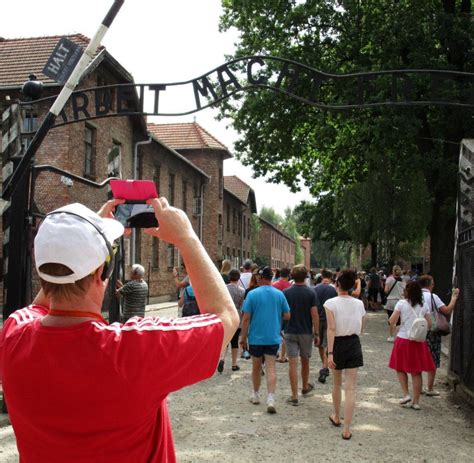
x,y
439,324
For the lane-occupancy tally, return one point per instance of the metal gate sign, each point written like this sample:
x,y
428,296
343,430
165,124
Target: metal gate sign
x,y
62,61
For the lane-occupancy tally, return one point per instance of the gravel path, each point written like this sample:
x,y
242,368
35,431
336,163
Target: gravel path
x,y
214,420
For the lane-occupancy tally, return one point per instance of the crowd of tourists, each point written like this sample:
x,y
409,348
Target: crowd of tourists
x,y
286,312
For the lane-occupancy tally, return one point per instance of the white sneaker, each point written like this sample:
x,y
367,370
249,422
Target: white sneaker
x,y
405,400
432,393
271,405
255,398
390,339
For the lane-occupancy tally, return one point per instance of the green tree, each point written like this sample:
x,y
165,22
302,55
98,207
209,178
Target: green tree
x,y
347,154
270,215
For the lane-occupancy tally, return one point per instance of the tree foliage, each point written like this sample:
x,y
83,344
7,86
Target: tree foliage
x,y
387,174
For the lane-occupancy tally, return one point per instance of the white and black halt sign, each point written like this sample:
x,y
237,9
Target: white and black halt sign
x,y
62,61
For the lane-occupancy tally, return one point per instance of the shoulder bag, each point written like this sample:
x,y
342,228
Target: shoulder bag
x,y
439,324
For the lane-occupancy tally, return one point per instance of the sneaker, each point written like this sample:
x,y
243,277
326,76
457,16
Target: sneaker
x,y
432,393
405,400
271,406
390,339
415,407
255,398
291,401
220,367
308,390
245,355
323,374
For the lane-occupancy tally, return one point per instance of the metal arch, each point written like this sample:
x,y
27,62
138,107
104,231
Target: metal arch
x,y
397,88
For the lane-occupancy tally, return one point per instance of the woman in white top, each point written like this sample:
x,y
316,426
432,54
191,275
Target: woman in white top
x,y
394,289
410,356
344,315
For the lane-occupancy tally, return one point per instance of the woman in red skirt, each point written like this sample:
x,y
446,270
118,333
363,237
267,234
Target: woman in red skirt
x,y
410,356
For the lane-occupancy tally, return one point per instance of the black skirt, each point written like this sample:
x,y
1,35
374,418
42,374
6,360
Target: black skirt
x,y
347,352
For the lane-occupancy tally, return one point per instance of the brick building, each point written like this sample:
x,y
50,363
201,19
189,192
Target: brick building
x,y
306,248
184,160
275,246
239,204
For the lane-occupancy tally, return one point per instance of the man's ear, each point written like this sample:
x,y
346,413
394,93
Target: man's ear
x,y
98,275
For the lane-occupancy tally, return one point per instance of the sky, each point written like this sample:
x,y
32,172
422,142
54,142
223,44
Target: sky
x,y
157,41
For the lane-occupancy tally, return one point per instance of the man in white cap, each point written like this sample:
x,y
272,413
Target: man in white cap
x,y
80,390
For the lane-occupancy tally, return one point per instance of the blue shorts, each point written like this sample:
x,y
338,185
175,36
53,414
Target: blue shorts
x,y
259,351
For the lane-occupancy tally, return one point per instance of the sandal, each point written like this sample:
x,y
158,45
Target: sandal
x,y
334,422
285,360
346,437
235,368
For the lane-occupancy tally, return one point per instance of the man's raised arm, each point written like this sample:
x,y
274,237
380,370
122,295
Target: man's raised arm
x,y
211,293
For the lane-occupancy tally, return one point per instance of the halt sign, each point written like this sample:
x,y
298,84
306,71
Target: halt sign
x,y
62,61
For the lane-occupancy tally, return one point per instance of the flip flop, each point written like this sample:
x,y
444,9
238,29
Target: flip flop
x,y
334,423
346,437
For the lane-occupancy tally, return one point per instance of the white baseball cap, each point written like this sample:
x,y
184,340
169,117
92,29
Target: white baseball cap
x,y
70,236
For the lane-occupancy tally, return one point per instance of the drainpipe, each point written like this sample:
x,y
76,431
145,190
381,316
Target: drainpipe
x,y
135,177
201,217
242,226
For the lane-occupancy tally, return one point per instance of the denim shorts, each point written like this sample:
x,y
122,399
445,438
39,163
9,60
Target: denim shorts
x,y
259,351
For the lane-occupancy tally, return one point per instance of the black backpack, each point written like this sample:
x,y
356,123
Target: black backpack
x,y
190,306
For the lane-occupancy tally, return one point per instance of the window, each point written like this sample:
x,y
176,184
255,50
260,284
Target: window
x,y
248,227
156,177
155,253
30,122
234,220
171,189
245,222
114,161
89,151
170,257
221,229
228,253
184,194
240,224
228,217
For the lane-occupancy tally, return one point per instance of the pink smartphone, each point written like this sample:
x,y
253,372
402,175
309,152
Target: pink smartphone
x,y
134,191
135,213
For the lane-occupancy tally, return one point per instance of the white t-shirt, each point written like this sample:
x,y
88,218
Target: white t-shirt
x,y
245,279
407,316
397,291
429,301
348,313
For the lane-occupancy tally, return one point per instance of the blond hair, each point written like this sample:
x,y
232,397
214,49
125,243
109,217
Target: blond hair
x,y
397,271
226,266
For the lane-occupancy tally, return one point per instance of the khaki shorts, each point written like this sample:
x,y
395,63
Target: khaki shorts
x,y
323,333
299,345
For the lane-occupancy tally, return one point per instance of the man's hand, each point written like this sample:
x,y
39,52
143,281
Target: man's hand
x,y
243,343
174,225
317,341
108,209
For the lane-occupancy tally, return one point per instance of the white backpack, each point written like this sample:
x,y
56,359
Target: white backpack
x,y
419,328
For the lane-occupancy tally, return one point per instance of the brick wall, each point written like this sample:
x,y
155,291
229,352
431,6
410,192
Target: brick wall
x,y
157,163
306,248
236,233
211,162
277,248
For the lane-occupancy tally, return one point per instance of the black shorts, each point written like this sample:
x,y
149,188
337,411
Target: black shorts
x,y
347,352
259,351
234,342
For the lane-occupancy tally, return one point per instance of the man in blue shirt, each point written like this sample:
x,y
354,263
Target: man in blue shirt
x,y
263,310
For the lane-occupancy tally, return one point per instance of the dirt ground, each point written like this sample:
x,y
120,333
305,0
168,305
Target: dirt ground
x,y
214,420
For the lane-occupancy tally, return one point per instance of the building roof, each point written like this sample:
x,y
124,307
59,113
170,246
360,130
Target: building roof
x,y
24,56
187,135
241,190
278,229
179,156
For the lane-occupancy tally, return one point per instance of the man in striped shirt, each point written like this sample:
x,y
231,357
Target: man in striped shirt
x,y
135,293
